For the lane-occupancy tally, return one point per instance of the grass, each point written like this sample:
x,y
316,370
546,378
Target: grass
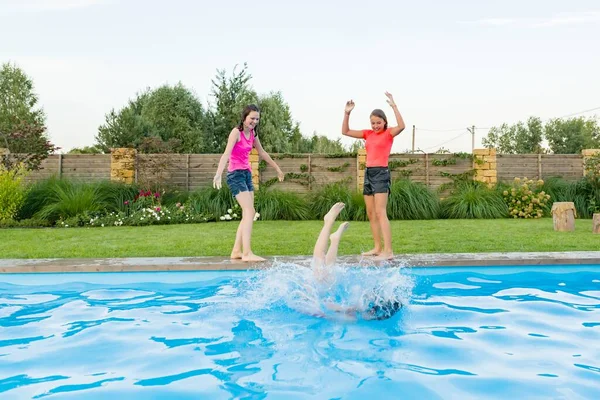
x,y
294,238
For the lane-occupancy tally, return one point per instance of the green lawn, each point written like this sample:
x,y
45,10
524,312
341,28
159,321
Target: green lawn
x,y
294,238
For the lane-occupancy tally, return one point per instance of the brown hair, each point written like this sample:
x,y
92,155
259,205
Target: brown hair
x,y
247,110
379,113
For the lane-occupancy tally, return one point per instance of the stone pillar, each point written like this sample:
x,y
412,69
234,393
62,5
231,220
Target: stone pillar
x,y
587,154
122,165
563,216
361,162
255,172
484,163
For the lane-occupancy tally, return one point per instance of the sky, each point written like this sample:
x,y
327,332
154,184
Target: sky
x,y
449,64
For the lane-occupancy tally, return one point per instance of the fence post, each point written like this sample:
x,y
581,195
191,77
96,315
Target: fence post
x,y
122,165
60,163
485,165
187,172
361,162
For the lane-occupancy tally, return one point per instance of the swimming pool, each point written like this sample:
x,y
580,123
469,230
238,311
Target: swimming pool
x,y
494,333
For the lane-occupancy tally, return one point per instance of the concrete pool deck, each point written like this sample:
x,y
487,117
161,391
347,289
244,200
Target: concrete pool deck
x,y
155,264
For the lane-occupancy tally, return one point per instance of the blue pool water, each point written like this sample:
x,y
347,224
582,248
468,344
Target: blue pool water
x,y
478,333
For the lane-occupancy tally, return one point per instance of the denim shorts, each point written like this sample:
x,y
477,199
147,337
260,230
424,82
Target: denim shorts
x,y
377,180
239,181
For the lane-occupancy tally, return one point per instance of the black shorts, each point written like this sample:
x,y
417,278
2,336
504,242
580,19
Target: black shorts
x,y
377,180
240,180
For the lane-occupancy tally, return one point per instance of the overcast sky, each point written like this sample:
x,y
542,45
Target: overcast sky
x,y
449,64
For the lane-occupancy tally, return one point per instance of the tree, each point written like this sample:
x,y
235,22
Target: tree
x,y
276,127
572,135
28,146
125,128
18,101
168,112
231,95
22,129
86,150
519,138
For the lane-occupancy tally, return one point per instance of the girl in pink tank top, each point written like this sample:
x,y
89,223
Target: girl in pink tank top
x,y
239,177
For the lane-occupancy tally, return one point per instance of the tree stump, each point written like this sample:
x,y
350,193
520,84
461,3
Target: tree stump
x,y
563,216
596,220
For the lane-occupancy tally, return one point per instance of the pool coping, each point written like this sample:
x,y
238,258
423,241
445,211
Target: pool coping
x,y
157,264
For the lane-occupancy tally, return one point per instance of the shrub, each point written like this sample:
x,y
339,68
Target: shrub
x,y
474,200
525,199
322,199
278,205
12,191
412,200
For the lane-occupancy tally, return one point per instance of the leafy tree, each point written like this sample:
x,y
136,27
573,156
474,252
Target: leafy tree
x,y
168,112
28,145
18,101
86,150
22,129
572,135
519,138
231,94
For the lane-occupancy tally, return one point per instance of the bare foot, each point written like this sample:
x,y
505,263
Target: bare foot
x,y
370,253
335,210
337,235
236,255
385,257
251,257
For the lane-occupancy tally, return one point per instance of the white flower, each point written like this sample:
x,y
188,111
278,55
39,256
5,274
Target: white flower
x,y
103,225
66,226
234,215
256,216
228,217
222,218
229,211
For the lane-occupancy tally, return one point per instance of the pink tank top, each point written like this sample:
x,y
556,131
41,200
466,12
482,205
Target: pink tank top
x,y
239,158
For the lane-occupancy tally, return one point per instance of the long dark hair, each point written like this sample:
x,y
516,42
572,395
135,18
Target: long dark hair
x,y
247,110
379,113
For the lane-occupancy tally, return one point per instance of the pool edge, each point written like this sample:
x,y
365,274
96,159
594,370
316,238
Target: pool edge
x,y
154,264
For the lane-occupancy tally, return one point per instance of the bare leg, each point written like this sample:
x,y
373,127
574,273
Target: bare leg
x,y
322,240
381,200
319,256
246,200
236,253
374,222
335,242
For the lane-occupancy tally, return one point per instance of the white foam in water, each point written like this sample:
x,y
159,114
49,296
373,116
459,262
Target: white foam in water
x,y
29,299
115,294
454,285
294,286
479,280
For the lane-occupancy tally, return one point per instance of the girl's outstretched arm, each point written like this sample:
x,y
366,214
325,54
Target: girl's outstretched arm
x,y
401,125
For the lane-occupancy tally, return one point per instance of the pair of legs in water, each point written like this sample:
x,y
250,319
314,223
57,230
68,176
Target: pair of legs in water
x,y
324,258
